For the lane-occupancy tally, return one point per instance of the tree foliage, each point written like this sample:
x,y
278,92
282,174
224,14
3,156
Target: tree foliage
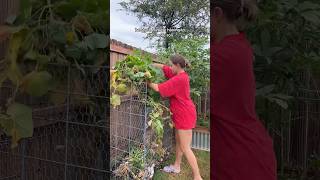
x,y
285,43
196,53
170,20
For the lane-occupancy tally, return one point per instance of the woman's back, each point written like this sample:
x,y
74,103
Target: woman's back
x,y
242,147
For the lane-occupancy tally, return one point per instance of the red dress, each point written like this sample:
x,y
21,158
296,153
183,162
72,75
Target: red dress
x,y
177,88
241,147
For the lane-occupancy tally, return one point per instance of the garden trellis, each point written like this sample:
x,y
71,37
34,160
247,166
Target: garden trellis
x,y
131,135
70,140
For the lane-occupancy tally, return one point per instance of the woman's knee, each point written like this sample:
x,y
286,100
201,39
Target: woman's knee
x,y
185,148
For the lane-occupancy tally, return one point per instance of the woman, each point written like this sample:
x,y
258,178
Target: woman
x,y
184,114
242,148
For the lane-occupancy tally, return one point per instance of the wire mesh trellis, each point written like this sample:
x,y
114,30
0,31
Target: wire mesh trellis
x,y
296,133
129,129
70,139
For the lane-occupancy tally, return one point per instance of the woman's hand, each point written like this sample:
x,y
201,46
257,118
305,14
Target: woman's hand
x,y
153,86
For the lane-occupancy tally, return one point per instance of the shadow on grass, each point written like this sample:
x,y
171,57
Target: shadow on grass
x,y
203,159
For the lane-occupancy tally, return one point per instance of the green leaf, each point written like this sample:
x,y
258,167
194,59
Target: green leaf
x,y
73,52
265,38
37,83
282,96
265,90
280,102
43,59
25,8
115,100
3,77
307,5
96,41
139,75
311,16
22,125
11,19
66,9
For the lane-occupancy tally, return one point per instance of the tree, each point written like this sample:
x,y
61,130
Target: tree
x,y
197,55
166,20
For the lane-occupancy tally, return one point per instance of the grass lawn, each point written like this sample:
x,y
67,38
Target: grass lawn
x,y
203,158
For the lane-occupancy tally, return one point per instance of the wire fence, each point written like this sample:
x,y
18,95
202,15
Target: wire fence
x,y
129,130
296,133
76,135
70,139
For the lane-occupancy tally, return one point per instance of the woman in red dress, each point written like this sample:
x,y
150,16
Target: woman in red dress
x,y
184,115
242,148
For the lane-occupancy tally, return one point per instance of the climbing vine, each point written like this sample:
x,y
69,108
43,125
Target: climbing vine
x,y
130,74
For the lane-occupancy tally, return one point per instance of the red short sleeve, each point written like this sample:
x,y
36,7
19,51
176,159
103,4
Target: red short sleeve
x,y
167,72
168,88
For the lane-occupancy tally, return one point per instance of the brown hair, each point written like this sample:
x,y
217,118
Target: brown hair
x,y
178,59
236,9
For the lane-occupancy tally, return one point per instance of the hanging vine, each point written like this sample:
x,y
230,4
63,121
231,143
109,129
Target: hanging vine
x,y
130,74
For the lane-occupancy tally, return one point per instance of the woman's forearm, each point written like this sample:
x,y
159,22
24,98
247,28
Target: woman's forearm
x,y
158,65
154,86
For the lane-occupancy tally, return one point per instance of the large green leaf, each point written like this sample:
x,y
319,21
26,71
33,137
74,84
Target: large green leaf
x,y
96,41
17,123
37,83
22,117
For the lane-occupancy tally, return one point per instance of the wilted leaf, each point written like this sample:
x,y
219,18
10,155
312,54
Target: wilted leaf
x,y
71,37
81,23
115,100
121,88
37,83
15,43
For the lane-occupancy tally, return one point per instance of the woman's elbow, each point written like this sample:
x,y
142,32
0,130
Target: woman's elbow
x,y
156,88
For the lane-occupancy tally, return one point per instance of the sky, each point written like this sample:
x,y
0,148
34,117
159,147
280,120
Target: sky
x,y
122,28
123,25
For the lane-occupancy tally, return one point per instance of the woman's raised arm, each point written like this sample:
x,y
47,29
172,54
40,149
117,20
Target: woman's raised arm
x,y
158,65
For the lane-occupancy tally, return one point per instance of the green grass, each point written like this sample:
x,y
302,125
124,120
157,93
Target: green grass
x,y
203,159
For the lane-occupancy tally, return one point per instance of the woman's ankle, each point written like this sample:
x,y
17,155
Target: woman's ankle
x,y
197,177
176,166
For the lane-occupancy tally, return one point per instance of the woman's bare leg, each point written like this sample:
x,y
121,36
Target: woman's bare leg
x,y
185,138
179,153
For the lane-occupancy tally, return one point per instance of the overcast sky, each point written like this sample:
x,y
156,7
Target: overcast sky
x,y
122,27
